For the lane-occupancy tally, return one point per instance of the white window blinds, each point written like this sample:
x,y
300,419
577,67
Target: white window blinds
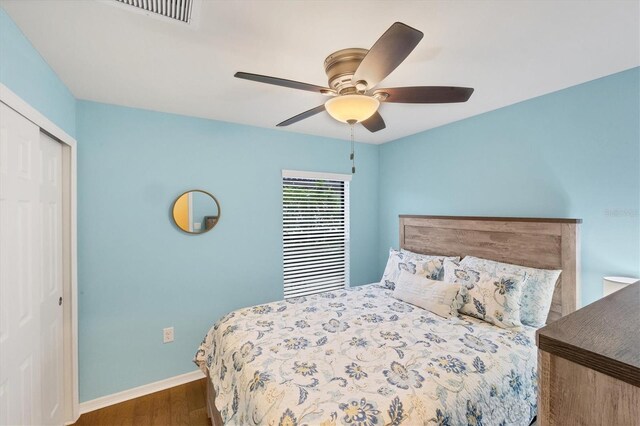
x,y
315,232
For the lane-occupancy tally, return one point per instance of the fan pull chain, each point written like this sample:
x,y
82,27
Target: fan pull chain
x,y
353,156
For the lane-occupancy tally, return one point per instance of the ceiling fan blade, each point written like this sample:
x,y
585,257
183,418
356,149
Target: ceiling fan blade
x,y
284,83
426,94
387,53
301,116
374,123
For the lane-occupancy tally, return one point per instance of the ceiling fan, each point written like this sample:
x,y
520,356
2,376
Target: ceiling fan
x,y
353,75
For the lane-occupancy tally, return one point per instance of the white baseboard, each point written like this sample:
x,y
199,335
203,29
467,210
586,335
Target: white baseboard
x,y
105,401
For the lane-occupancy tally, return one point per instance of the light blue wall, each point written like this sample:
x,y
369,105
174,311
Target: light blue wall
x,y
25,72
572,153
139,274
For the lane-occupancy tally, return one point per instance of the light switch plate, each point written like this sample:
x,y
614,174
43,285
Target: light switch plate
x,y
167,335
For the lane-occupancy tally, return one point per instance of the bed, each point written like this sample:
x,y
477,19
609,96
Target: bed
x,y
361,357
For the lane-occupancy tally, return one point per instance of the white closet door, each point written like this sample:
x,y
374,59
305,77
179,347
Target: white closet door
x,y
51,284
30,273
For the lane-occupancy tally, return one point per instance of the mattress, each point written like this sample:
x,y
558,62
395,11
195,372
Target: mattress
x,y
360,357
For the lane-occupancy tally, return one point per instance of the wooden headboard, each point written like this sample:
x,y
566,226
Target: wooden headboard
x,y
537,243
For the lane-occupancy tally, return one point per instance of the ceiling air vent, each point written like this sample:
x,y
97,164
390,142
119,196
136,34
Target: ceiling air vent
x,y
179,10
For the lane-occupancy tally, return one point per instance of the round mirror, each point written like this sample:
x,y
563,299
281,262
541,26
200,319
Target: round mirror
x,y
196,212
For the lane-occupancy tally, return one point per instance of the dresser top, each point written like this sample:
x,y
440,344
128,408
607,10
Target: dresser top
x,y
604,336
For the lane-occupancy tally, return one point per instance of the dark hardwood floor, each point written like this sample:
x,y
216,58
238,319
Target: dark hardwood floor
x,y
183,405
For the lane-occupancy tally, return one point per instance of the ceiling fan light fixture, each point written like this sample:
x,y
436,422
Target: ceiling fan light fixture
x,y
354,72
349,108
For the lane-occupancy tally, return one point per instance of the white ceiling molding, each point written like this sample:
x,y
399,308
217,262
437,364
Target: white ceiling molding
x,y
509,51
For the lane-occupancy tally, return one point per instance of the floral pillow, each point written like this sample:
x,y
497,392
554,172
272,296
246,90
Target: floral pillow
x,y
494,299
418,264
537,292
440,277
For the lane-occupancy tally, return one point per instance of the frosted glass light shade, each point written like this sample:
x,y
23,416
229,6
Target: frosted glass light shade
x,y
352,107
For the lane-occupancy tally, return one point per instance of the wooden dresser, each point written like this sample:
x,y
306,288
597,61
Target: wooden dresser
x,y
589,364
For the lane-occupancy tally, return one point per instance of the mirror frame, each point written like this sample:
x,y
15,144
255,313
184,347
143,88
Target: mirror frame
x,y
173,206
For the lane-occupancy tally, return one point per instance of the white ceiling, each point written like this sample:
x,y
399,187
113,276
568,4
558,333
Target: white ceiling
x,y
508,51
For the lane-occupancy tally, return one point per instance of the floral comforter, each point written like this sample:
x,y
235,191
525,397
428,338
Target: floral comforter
x,y
360,357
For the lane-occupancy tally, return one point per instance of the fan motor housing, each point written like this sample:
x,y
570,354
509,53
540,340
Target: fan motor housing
x,y
340,67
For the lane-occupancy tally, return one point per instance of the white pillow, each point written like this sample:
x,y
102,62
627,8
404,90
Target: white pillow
x,y
494,299
435,296
537,292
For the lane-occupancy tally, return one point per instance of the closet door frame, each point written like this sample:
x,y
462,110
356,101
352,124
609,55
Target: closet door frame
x,y
71,410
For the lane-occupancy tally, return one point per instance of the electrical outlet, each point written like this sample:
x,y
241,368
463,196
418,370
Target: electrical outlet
x,y
167,335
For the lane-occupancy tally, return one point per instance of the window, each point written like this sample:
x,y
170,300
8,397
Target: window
x,y
315,232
